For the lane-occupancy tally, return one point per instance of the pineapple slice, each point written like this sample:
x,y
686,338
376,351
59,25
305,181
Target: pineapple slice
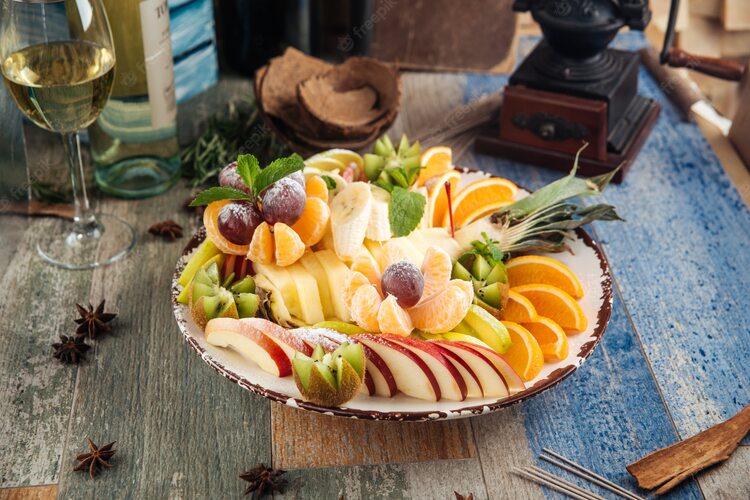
x,y
282,280
336,274
308,293
312,266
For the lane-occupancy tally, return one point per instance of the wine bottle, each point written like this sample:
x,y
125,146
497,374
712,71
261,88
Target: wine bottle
x,y
134,140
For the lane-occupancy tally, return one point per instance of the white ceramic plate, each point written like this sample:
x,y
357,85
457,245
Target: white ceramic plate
x,y
586,261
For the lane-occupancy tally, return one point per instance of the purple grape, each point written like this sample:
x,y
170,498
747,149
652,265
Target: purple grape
x,y
298,177
283,202
228,177
404,281
238,220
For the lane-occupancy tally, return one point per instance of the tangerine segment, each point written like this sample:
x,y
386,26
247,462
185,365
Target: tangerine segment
x,y
518,309
211,221
316,187
261,247
392,318
555,304
529,269
476,196
312,224
352,284
365,263
435,161
437,199
289,246
524,355
552,339
365,306
436,269
445,310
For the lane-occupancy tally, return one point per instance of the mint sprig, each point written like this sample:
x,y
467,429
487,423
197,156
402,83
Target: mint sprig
x,y
488,249
405,210
255,178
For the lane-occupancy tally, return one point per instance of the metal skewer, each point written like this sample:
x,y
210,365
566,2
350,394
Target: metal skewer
x,y
558,484
589,475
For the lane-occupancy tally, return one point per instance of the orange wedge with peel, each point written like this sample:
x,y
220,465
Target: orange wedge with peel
x,y
437,198
551,337
524,355
529,269
484,211
211,221
556,304
518,309
476,196
434,161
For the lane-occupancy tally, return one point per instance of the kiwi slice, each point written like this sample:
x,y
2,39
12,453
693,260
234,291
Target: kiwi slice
x,y
330,378
210,296
490,281
387,161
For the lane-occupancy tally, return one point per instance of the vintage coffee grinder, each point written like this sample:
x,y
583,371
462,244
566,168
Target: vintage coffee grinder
x,y
573,89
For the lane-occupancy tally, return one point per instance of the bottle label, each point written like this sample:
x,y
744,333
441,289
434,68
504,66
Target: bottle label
x,y
157,48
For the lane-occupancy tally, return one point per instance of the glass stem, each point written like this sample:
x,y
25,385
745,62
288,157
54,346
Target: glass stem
x,y
84,221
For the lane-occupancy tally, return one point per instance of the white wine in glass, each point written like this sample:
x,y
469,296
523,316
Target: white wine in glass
x,y
58,63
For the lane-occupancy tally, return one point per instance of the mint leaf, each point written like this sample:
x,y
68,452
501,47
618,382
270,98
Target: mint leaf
x,y
383,184
219,193
248,169
405,210
330,182
278,169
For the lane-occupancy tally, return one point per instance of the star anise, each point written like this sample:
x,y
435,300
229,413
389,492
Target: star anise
x,y
71,349
93,321
264,480
459,496
95,459
168,229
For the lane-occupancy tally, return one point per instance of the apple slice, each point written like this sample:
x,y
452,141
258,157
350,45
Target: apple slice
x,y
473,385
412,375
452,384
490,378
251,343
286,339
512,379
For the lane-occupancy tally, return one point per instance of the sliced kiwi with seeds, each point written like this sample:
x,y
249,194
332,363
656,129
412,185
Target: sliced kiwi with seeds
x,y
211,297
330,378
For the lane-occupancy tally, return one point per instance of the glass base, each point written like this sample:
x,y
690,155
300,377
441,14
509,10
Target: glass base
x,y
138,177
103,241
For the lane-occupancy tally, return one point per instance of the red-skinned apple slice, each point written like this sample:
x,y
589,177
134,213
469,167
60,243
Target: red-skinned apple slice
x,y
314,336
473,386
491,380
378,378
452,384
251,343
286,339
512,379
413,377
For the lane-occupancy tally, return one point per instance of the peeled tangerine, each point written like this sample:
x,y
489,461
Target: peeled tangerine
x,y
283,246
330,379
445,309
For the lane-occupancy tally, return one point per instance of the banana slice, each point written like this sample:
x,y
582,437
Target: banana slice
x,y
379,229
350,214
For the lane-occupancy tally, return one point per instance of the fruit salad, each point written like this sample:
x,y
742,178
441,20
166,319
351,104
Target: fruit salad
x,y
392,272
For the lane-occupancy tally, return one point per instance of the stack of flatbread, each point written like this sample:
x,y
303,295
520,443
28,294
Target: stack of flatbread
x,y
315,105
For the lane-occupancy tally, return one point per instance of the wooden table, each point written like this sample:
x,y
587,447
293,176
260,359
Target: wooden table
x,y
673,361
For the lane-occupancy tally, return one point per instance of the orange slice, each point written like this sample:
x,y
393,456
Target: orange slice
x,y
555,304
436,269
288,245
365,263
552,339
312,224
518,309
261,246
211,221
445,310
524,355
530,269
434,161
352,284
477,195
365,306
316,187
437,198
484,211
392,318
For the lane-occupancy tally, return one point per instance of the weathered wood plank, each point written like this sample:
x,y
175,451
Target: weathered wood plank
x,y
181,430
729,480
366,443
48,492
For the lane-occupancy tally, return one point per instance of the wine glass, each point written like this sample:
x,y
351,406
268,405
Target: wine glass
x,y
58,62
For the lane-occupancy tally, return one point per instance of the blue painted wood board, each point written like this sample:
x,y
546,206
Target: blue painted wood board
x,y
674,359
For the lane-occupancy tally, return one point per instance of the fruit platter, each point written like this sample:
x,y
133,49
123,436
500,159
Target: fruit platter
x,y
392,285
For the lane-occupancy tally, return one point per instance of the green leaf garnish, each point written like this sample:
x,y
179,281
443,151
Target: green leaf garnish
x,y
330,182
405,210
276,170
488,249
219,193
383,184
248,169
